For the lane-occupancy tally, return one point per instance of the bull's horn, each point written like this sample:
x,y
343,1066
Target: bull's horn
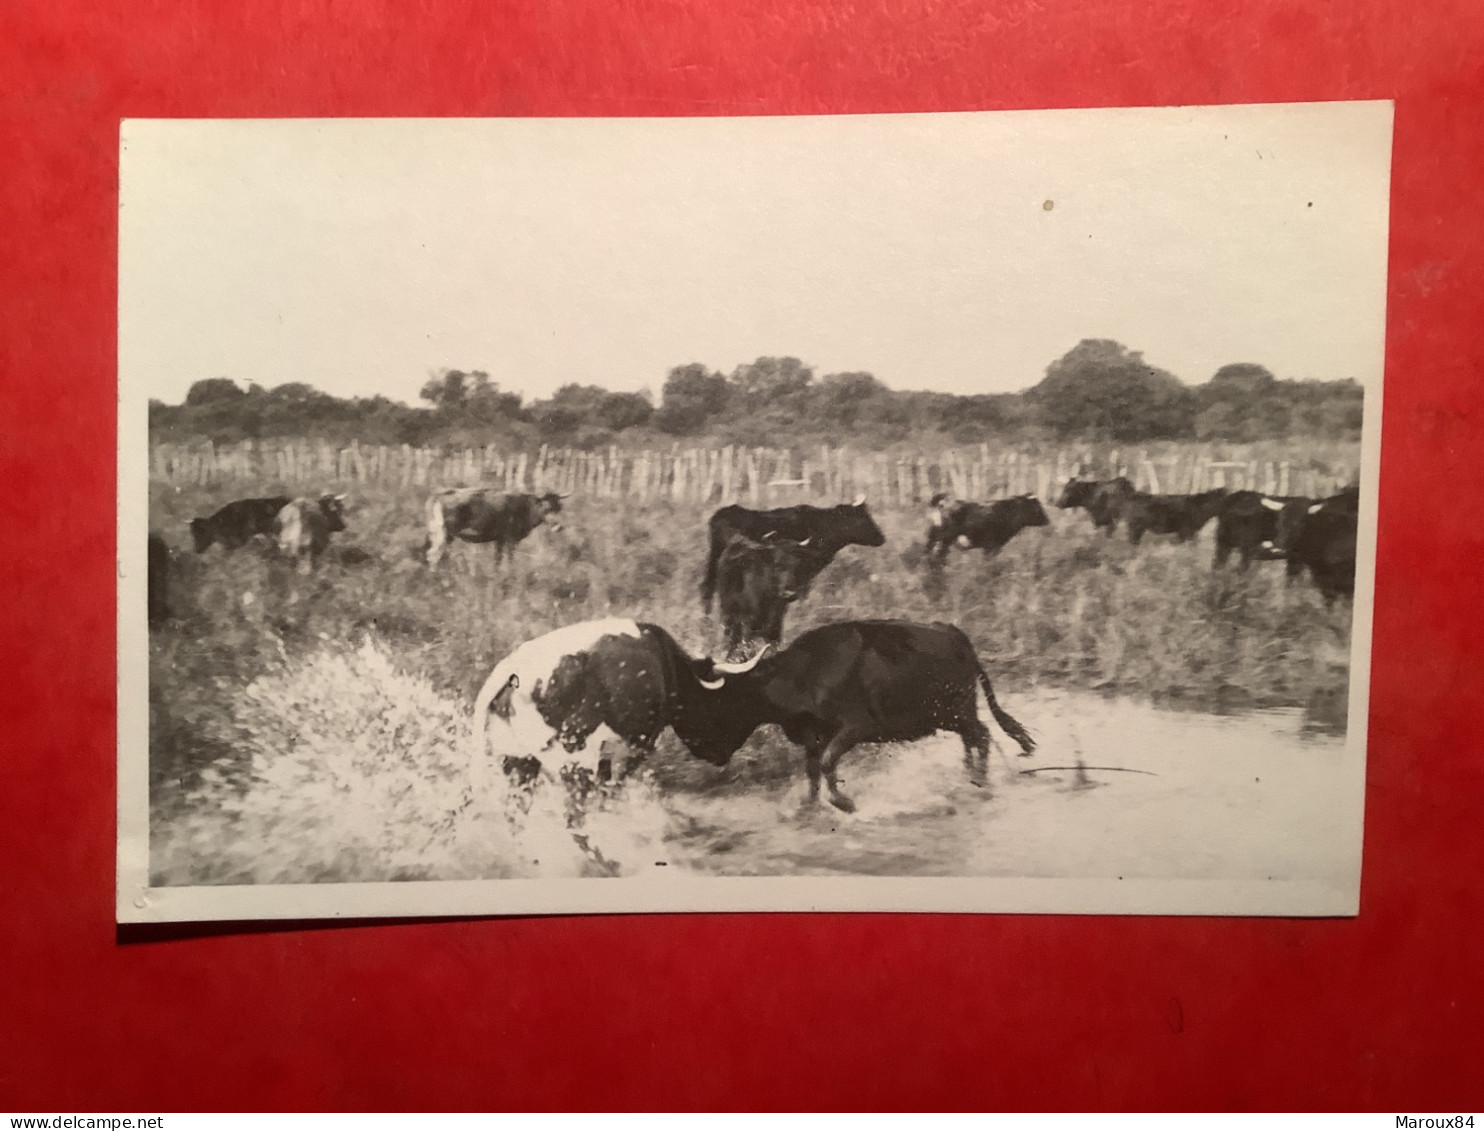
x,y
340,498
564,494
710,685
1316,508
806,541
860,500
745,665
769,535
1272,504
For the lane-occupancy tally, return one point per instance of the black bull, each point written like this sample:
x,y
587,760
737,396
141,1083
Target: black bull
x,y
1181,515
480,515
1321,537
835,687
827,529
980,526
1247,524
1098,497
237,523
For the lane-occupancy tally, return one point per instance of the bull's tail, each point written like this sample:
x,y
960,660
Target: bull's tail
x,y
1004,718
437,531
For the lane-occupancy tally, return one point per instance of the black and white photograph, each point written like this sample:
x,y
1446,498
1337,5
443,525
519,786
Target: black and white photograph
x,y
920,512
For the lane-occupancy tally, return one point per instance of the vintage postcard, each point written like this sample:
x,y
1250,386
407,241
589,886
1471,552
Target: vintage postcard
x,y
961,512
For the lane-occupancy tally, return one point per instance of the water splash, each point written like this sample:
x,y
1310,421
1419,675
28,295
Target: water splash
x,y
350,769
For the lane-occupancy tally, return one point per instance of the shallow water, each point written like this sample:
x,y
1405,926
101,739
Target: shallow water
x,y
1236,796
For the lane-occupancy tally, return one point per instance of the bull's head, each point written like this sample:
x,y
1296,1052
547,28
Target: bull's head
x,y
333,508
1076,493
551,504
858,526
722,670
1030,510
936,506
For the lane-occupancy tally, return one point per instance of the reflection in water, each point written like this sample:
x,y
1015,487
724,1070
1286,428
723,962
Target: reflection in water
x,y
1257,795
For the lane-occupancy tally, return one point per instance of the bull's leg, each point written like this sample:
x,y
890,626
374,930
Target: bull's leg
x,y
811,764
842,742
975,736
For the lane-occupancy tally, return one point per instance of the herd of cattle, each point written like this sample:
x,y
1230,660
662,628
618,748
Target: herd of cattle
x,y
835,686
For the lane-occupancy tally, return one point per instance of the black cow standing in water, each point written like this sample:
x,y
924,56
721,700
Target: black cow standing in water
x,y
757,581
840,685
828,530
980,526
479,515
1100,498
237,523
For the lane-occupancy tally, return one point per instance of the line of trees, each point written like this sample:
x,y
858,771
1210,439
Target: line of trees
x,y
1099,390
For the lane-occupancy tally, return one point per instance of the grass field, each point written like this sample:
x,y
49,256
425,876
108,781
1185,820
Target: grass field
x,y
277,698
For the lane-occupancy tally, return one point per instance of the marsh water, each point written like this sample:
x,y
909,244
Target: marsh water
x,y
1158,793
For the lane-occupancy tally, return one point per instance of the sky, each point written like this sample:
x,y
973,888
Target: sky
x,y
954,252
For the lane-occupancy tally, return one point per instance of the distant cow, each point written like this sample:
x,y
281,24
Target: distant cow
x,y
827,529
479,514
157,580
1100,498
757,581
237,523
980,526
1248,523
1180,515
1321,537
303,527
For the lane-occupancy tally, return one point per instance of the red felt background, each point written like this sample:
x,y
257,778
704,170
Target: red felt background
x,y
1382,1012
